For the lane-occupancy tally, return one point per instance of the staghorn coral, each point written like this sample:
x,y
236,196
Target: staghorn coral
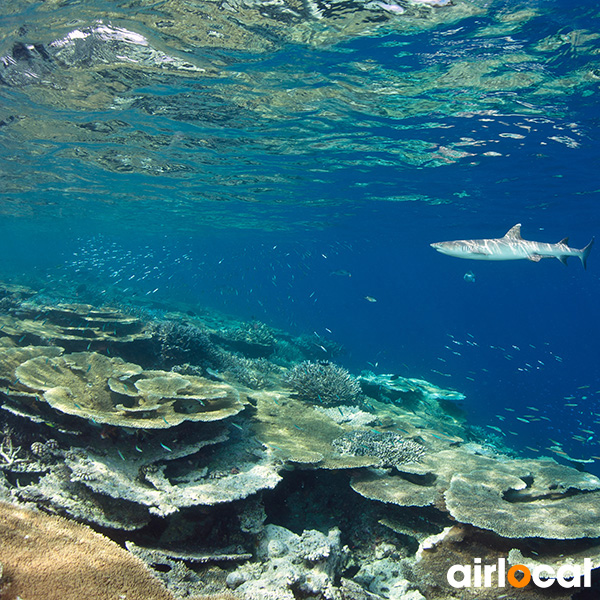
x,y
253,339
46,557
183,343
391,448
323,383
254,373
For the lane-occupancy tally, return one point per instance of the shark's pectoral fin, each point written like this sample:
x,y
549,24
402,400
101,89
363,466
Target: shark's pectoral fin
x,y
535,257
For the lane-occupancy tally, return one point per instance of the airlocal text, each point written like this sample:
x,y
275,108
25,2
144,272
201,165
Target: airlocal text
x,y
543,576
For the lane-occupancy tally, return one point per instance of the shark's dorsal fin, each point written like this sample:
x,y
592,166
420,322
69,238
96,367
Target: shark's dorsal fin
x,y
564,241
514,232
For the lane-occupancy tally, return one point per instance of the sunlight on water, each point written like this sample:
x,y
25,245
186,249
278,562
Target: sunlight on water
x,y
192,104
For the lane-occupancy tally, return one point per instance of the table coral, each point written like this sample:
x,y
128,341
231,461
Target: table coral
x,y
512,497
109,390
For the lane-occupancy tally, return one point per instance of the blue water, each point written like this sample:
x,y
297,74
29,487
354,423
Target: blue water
x,y
304,174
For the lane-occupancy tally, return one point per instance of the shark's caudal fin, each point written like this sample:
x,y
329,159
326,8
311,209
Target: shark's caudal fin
x,y
585,253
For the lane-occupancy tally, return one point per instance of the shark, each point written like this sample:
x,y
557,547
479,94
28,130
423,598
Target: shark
x,y
513,247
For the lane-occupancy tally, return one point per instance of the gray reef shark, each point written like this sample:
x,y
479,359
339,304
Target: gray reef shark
x,y
512,247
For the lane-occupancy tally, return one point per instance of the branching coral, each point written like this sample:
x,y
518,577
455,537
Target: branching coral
x,y
253,339
391,448
9,453
181,343
251,372
323,383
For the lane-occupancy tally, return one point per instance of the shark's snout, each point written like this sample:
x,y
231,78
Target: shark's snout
x,y
439,246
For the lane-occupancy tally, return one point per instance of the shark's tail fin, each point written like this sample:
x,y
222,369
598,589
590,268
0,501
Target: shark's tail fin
x,y
585,253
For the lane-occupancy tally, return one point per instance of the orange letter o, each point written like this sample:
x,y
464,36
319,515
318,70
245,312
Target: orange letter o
x,y
510,576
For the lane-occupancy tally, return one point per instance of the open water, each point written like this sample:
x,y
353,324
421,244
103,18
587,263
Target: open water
x,y
292,161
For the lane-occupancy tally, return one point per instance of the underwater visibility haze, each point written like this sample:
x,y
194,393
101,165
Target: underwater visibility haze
x,y
245,193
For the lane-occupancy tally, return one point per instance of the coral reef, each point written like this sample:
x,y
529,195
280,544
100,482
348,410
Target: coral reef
x,y
74,327
183,580
234,471
11,296
323,383
255,373
388,575
300,434
462,544
312,347
397,389
523,500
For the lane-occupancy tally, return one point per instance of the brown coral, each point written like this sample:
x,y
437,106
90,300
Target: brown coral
x,y
49,558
